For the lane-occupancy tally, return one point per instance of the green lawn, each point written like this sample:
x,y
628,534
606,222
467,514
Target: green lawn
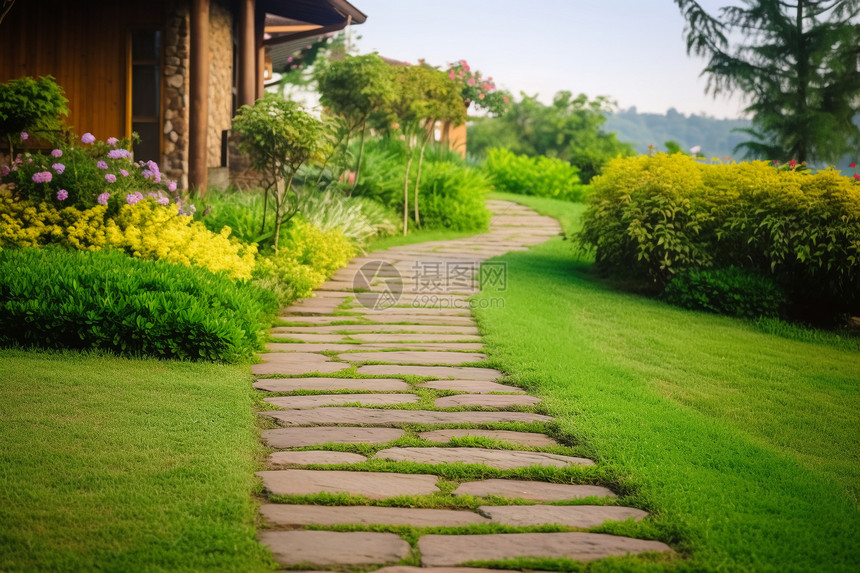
x,y
420,236
126,465
744,445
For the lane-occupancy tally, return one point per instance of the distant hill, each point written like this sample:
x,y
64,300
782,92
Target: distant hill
x,y
714,135
643,129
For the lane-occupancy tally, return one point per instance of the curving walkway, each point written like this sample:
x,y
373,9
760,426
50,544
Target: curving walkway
x,y
388,355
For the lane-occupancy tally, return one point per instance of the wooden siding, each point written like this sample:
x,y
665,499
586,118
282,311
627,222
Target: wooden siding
x,y
83,44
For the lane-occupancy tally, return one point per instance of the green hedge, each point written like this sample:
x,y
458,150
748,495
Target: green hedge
x,y
541,176
730,291
651,218
53,298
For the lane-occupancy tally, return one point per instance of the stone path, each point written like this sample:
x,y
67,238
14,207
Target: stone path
x,y
380,388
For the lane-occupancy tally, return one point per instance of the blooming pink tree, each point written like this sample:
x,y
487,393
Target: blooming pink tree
x,y
478,90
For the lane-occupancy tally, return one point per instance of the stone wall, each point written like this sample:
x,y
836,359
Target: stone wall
x,y
175,102
220,79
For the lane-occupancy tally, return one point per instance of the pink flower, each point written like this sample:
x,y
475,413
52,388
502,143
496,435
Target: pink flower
x,y
57,153
5,170
471,81
42,177
775,161
133,198
103,198
162,201
171,186
25,136
101,165
451,75
124,172
112,140
62,195
505,99
110,178
480,96
88,137
857,176
852,165
792,163
59,168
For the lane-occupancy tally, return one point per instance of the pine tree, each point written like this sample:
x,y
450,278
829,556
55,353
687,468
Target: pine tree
x,y
796,63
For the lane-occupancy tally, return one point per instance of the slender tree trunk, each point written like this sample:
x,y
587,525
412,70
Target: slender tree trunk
x,y
360,155
278,214
265,207
406,194
418,180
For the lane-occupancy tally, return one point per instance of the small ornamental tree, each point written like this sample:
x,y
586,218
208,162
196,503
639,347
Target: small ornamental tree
x,y
279,137
353,89
29,106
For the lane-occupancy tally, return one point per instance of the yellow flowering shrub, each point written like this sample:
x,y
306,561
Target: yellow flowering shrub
x,y
306,258
144,230
150,231
654,217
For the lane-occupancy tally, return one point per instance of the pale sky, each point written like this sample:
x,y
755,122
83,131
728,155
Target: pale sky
x,y
631,50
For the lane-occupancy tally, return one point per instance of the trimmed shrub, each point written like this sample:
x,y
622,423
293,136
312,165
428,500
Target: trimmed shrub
x,y
307,257
730,291
54,298
654,217
541,176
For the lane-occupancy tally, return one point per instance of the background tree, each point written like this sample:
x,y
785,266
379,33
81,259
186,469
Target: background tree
x,y
352,89
279,138
796,62
570,129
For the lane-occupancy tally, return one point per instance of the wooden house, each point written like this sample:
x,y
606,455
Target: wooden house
x,y
173,71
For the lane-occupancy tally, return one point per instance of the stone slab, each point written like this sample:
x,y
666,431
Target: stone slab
x,y
371,346
410,569
459,372
569,515
384,318
303,402
533,490
334,548
417,311
313,457
522,438
390,417
486,401
442,550
415,337
499,459
299,515
423,328
304,437
418,357
374,485
471,386
331,384
293,363
318,338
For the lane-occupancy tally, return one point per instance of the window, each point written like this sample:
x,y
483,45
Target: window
x,y
146,93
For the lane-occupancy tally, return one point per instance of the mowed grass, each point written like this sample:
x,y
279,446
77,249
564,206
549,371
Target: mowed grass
x,y
745,446
116,464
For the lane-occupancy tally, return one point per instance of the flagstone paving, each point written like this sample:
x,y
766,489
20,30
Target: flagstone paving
x,y
486,400
313,457
500,459
411,315
522,438
326,416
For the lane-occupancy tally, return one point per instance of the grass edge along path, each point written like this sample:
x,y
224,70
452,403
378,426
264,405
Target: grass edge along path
x,y
122,464
743,445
